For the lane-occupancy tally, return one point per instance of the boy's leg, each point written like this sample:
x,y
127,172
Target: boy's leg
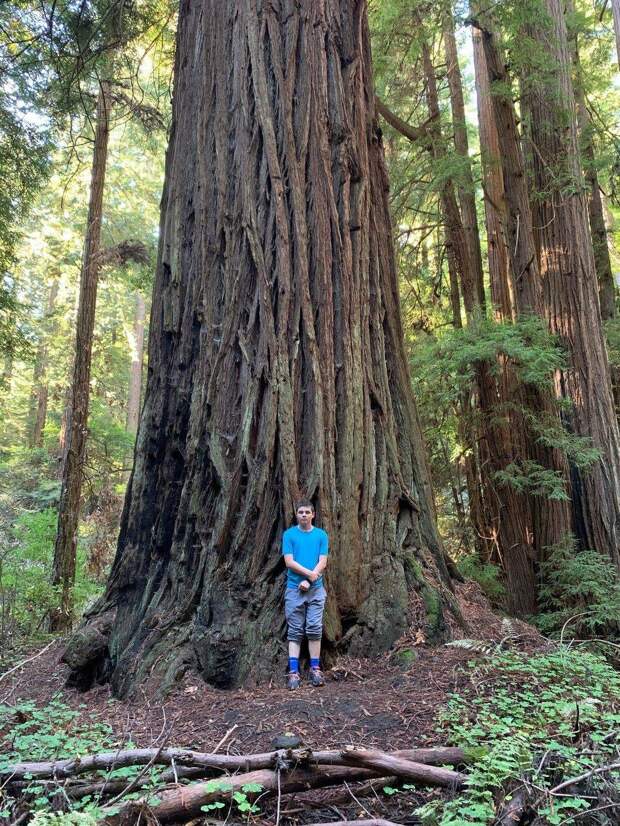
x,y
314,632
295,612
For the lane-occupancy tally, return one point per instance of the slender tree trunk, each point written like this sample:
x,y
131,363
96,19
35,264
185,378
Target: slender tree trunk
x,y
63,574
615,8
471,460
276,359
40,388
596,212
466,188
571,288
135,371
7,372
500,272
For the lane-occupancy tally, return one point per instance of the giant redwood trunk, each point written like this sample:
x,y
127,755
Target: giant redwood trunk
x,y
276,360
571,289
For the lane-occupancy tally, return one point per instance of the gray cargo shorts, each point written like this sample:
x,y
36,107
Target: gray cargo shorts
x,y
304,613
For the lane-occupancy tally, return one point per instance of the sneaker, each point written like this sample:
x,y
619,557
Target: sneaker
x,y
294,680
316,677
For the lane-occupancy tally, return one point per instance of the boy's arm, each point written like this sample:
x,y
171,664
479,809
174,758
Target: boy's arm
x,y
323,552
299,569
320,566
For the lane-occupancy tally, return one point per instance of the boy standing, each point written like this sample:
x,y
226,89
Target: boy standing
x,y
305,549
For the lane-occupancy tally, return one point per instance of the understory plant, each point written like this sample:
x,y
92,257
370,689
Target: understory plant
x,y
580,595
534,721
26,593
29,732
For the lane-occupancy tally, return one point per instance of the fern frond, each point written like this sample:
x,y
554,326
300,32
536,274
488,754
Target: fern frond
x,y
479,646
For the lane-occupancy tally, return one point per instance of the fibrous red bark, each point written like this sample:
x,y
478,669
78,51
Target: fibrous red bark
x,y
570,286
276,358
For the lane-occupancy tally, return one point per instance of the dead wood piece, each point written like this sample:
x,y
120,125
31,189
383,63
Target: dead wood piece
x,y
61,769
106,761
185,802
374,822
404,767
512,813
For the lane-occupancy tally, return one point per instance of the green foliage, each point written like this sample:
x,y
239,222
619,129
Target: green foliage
x,y
580,596
485,574
444,369
560,704
240,798
55,732
26,594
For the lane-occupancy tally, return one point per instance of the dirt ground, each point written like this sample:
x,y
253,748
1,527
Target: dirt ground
x,y
390,703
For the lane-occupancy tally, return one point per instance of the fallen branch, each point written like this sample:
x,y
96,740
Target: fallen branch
x,y
375,822
106,761
572,780
403,767
186,802
23,662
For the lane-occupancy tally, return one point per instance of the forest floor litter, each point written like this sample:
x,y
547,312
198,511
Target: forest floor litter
x,y
390,704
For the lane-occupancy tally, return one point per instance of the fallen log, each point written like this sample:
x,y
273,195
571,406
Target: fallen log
x,y
403,767
106,761
185,802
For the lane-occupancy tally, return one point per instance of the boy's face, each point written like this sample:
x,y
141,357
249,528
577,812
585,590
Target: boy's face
x,y
304,517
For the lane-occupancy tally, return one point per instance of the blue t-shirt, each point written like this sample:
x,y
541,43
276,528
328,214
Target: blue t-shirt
x,y
305,548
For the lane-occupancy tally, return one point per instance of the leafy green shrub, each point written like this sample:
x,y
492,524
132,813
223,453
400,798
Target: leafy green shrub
x,y
487,575
580,594
561,704
444,369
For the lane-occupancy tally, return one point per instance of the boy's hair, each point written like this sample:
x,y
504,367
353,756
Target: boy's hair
x,y
304,503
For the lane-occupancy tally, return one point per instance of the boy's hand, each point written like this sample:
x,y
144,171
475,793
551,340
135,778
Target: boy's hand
x,y
313,576
304,585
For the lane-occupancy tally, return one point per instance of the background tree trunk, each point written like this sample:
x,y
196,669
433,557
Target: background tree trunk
x,y
551,517
598,229
499,437
500,273
135,371
63,573
276,359
571,288
40,388
615,8
466,188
